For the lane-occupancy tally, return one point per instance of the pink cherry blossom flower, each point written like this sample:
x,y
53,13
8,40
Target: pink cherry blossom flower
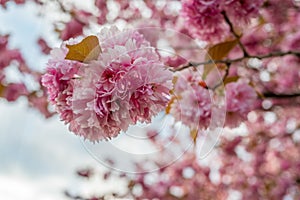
x,y
126,84
293,41
73,28
272,10
192,104
43,46
175,61
284,79
7,55
14,90
101,5
240,11
204,19
3,41
240,99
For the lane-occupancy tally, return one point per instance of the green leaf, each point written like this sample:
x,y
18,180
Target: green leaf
x,y
217,52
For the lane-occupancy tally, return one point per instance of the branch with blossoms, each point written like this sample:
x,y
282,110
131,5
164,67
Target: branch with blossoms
x,y
230,61
102,84
270,172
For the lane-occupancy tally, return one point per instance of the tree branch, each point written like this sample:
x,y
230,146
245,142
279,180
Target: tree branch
x,y
280,96
229,61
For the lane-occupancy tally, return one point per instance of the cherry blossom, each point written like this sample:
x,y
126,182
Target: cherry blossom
x,y
191,102
14,90
126,84
240,99
204,19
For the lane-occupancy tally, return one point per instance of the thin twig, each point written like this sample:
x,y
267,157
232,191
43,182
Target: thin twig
x,y
223,79
237,36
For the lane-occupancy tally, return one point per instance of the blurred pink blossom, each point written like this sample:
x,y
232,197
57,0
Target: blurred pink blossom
x,y
192,103
73,28
14,90
204,19
240,97
240,11
44,46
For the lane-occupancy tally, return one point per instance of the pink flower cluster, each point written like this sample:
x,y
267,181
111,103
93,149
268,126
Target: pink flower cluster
x,y
8,55
269,166
14,90
204,18
9,90
74,27
240,100
263,163
241,11
192,101
126,84
284,79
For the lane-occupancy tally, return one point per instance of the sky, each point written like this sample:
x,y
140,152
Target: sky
x,y
39,157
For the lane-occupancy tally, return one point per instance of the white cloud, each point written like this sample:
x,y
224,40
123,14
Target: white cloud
x,y
39,157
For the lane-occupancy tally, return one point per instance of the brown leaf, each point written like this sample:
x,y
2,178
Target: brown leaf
x,y
220,50
230,79
194,135
2,88
217,52
86,50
